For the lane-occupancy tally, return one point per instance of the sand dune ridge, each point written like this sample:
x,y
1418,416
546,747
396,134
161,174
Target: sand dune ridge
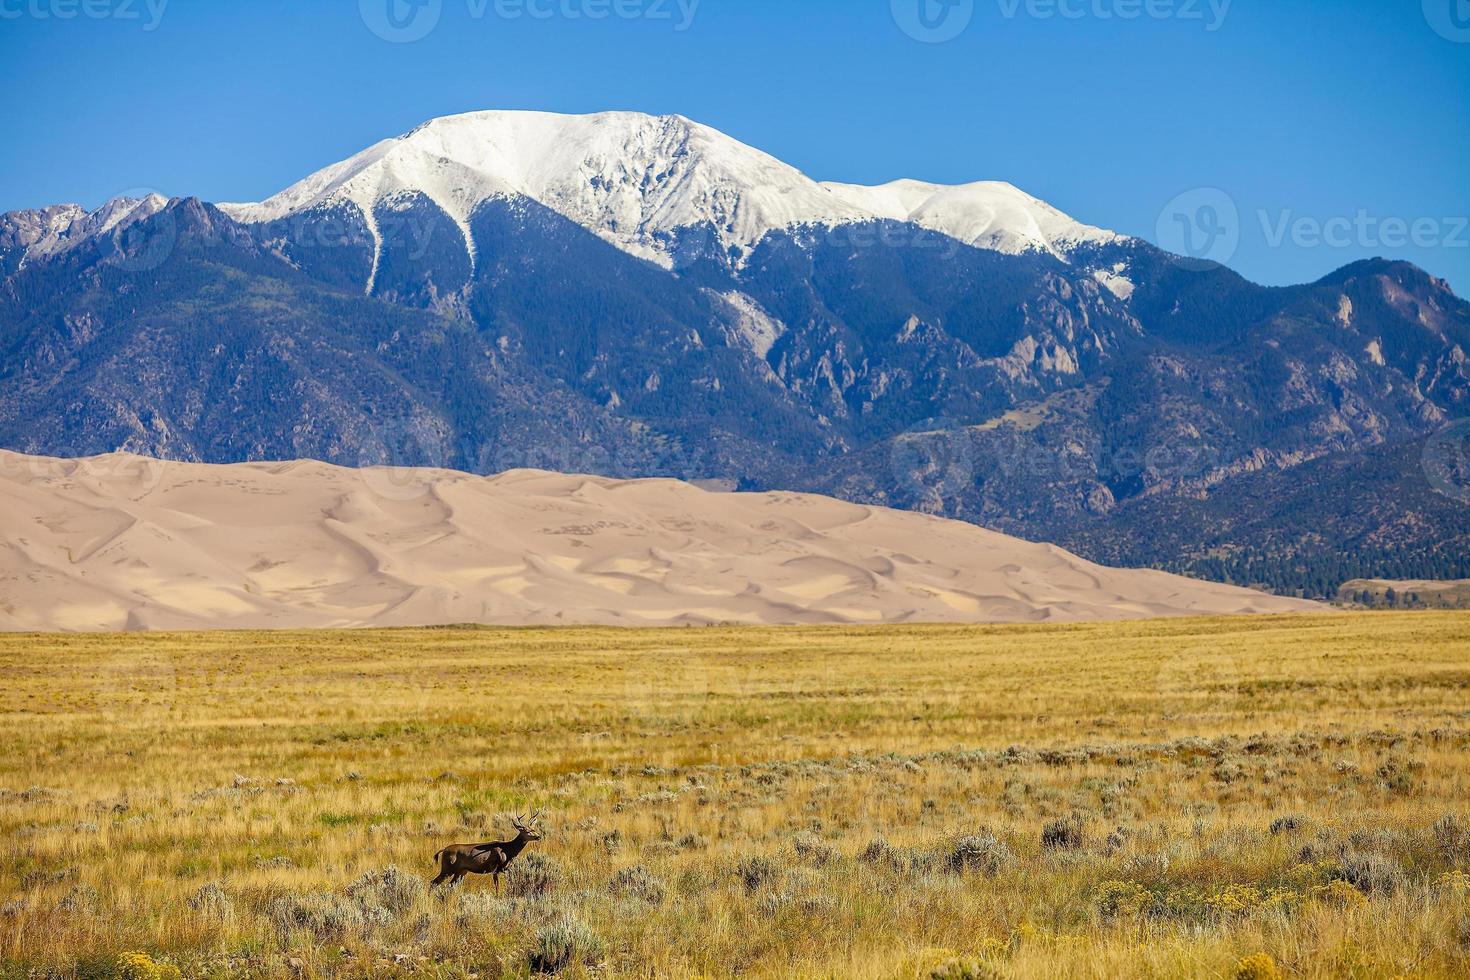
x,y
124,542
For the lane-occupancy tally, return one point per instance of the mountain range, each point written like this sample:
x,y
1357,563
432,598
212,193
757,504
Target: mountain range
x,y
634,296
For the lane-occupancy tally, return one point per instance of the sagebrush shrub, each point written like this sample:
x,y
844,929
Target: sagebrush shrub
x,y
637,882
533,876
393,889
755,871
566,941
982,852
810,847
1451,838
1373,873
1064,835
962,969
80,900
212,901
1287,824
326,916
880,852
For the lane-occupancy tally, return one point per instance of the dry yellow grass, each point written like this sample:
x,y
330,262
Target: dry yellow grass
x,y
1220,797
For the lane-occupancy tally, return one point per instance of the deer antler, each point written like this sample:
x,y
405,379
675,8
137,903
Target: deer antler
x,y
521,822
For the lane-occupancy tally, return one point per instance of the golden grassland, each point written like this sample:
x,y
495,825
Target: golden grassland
x,y
1188,798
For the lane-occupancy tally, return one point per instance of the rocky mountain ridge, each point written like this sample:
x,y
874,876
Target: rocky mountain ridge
x,y
1072,386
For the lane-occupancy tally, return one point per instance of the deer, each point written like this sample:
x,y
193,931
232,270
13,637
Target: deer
x,y
490,858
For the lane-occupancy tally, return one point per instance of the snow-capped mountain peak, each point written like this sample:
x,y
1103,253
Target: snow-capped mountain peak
x,y
636,180
632,178
44,232
987,214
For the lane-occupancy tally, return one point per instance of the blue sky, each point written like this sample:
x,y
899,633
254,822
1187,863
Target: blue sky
x,y
1314,132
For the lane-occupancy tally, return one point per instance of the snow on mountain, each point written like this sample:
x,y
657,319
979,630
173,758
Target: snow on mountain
x,y
119,211
41,227
756,329
636,180
987,214
51,231
1114,281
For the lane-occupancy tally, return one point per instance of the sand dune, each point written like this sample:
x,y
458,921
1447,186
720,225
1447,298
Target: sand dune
x,y
123,542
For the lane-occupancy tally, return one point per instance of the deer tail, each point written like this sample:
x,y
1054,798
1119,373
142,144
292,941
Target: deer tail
x,y
438,853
